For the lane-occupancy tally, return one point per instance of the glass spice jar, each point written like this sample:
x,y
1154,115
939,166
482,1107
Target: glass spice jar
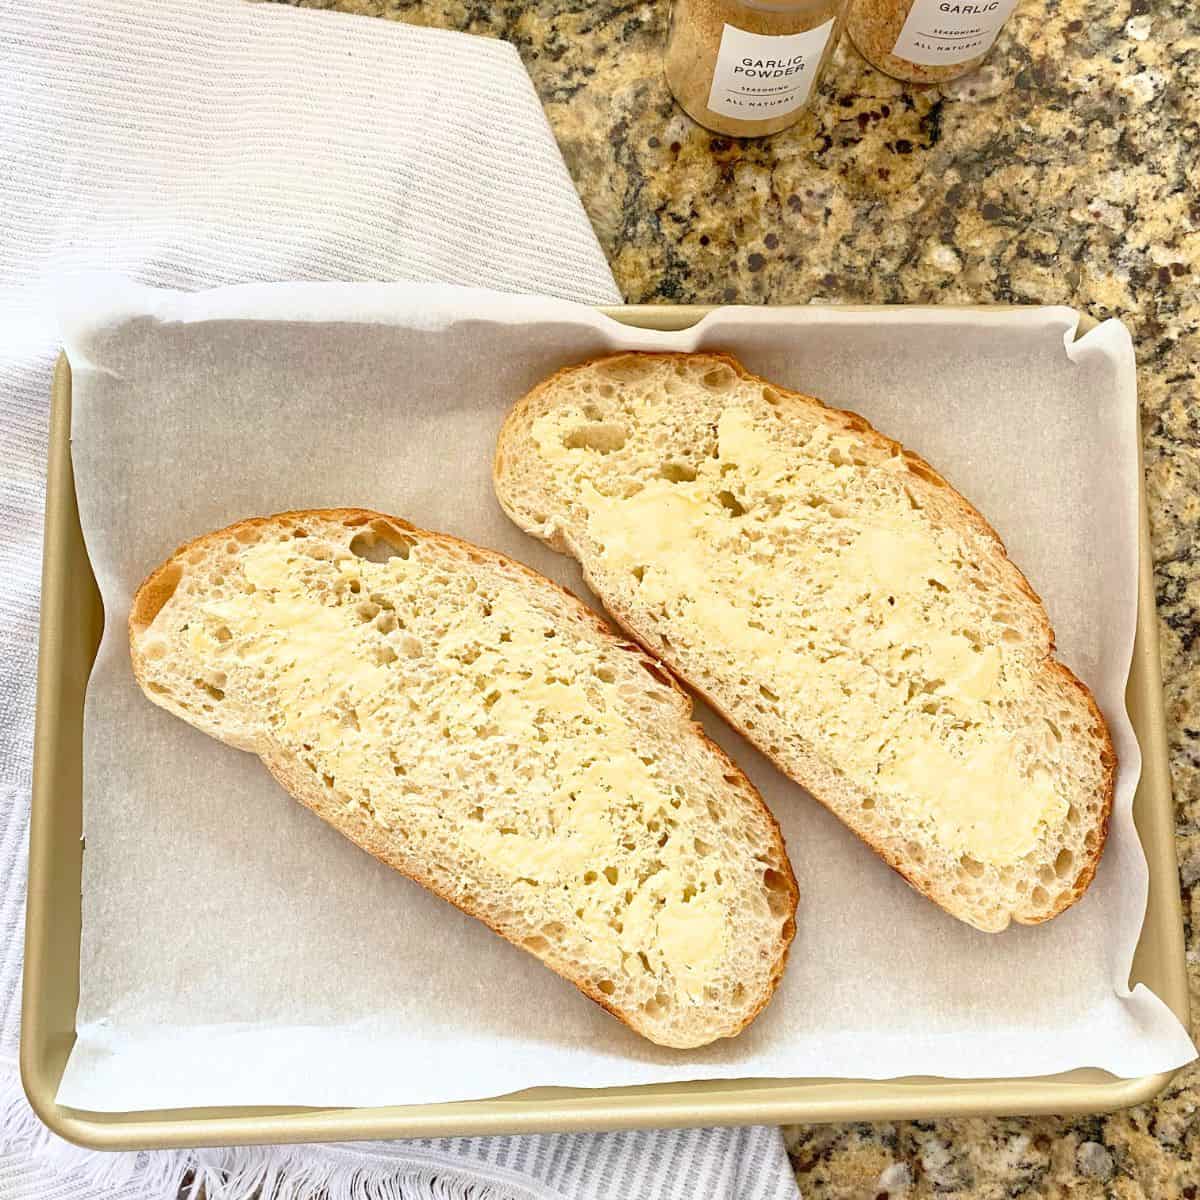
x,y
926,41
748,67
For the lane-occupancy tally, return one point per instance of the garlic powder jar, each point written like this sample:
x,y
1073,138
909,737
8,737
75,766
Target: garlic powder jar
x,y
926,41
748,67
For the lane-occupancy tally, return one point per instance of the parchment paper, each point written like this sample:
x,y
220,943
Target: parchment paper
x,y
237,950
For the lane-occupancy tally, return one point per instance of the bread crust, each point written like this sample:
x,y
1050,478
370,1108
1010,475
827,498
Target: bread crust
x,y
160,584
928,479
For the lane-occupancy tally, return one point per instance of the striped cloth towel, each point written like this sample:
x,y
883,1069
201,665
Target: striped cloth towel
x,y
192,143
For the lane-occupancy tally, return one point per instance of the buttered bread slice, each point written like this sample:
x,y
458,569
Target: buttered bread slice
x,y
478,728
844,607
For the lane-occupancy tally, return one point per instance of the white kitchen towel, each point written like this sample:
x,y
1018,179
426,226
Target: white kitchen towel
x,y
192,143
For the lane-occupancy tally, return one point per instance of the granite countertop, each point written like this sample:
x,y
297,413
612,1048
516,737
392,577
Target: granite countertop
x,y
1067,171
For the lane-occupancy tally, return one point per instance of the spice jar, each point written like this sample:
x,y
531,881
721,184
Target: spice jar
x,y
748,67
926,41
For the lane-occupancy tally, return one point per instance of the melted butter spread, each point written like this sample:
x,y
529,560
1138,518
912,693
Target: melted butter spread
x,y
499,681
768,564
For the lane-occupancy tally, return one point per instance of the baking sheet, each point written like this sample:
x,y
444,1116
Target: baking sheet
x,y
236,950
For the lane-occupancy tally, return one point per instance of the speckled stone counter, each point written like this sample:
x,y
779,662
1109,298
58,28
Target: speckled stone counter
x,y
1067,170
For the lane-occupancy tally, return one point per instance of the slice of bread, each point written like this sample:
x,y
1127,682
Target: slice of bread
x,y
835,598
481,730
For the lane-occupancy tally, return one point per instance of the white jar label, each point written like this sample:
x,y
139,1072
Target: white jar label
x,y
943,32
759,76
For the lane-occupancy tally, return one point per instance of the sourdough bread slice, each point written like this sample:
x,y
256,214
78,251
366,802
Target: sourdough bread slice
x,y
479,729
835,598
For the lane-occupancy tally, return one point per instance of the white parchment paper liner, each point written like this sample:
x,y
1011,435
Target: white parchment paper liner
x,y
238,951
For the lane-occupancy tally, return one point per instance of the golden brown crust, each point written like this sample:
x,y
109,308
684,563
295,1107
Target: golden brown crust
x,y
1108,758
160,584
928,477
